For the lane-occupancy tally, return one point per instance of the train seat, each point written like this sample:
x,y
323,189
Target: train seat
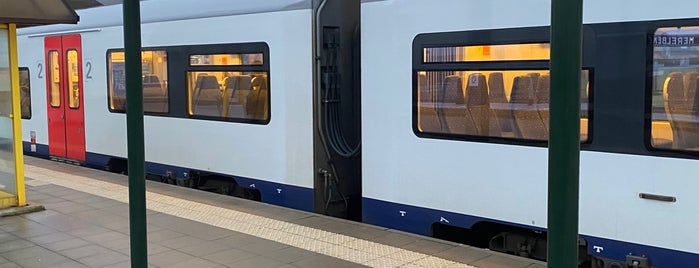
x,y
678,110
452,111
427,111
152,86
154,94
207,94
477,102
256,102
528,124
691,86
235,89
501,116
542,95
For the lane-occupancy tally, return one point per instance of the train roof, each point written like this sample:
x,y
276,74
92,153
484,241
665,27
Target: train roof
x,y
170,10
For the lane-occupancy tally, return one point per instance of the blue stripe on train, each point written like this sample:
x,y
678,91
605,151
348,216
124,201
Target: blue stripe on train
x,y
419,220
291,196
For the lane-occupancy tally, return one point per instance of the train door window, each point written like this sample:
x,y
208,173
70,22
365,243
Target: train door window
x,y
496,93
25,96
675,104
155,81
55,79
73,79
229,86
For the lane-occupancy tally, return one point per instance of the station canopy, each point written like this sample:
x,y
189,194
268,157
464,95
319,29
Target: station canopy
x,y
36,12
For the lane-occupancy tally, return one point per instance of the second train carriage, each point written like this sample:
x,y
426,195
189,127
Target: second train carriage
x,y
453,113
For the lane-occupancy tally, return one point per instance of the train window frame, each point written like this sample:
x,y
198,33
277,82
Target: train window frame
x,y
261,48
26,100
194,60
165,85
651,82
495,37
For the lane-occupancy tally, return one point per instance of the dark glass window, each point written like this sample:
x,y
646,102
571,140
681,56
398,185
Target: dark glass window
x,y
155,81
675,106
482,96
25,95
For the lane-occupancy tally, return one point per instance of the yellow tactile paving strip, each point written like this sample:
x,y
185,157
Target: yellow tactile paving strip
x,y
335,245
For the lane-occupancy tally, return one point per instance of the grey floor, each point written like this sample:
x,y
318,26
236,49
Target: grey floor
x,y
82,230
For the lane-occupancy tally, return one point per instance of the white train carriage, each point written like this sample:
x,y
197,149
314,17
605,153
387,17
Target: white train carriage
x,y
227,90
455,123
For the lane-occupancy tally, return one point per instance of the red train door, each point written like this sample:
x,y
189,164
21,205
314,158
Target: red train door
x,y
64,86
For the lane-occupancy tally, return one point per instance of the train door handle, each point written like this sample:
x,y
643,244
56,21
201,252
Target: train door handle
x,y
63,116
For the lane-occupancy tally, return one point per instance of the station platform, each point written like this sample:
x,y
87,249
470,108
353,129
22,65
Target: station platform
x,y
86,224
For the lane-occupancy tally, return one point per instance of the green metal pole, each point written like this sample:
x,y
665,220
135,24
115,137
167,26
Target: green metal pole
x,y
564,142
134,127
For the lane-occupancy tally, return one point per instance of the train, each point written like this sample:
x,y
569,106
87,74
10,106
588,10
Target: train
x,y
429,117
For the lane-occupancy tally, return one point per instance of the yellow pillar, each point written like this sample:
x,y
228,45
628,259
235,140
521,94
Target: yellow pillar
x,y
17,117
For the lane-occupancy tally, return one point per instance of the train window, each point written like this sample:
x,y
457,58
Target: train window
x,y
54,79
516,52
73,79
155,81
228,94
675,104
226,59
25,97
489,99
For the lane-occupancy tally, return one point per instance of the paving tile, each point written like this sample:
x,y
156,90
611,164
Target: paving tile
x,y
12,220
19,226
117,244
229,256
25,253
181,242
463,254
167,258
4,236
10,265
104,203
321,261
64,223
39,215
203,248
41,259
104,259
365,232
427,246
13,245
499,261
34,231
313,221
395,239
66,244
289,254
163,235
196,262
103,237
50,238
67,264
256,262
87,230
261,246
85,251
